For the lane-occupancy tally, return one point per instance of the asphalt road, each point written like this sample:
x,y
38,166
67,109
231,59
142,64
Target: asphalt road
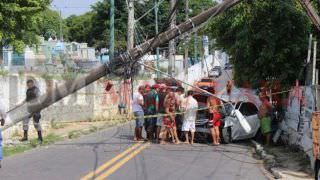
x,y
111,154
112,149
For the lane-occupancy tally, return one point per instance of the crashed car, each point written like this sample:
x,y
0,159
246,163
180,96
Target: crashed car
x,y
231,128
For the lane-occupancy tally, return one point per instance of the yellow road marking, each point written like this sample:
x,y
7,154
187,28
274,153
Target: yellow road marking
x,y
122,162
110,162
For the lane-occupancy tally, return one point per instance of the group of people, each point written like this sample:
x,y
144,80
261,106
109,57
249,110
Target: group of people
x,y
159,108
32,94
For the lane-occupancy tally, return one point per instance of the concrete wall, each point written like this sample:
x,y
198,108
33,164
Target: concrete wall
x,y
296,127
198,70
90,102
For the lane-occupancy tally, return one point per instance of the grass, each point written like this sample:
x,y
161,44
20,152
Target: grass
x,y
33,143
52,138
74,134
4,73
55,125
77,133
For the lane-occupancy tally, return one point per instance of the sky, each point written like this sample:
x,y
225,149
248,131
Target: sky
x,y
70,7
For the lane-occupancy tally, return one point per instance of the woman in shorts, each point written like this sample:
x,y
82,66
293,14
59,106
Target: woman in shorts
x,y
214,123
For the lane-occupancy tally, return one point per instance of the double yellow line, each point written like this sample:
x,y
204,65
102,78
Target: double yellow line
x,y
105,170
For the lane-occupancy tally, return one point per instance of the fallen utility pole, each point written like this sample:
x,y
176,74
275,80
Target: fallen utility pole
x,y
306,4
116,66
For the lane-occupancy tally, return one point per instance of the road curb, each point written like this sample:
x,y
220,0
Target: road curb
x,y
272,173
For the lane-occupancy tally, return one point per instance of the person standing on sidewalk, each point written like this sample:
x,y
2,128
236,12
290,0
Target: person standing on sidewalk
x,y
137,108
32,94
189,121
264,115
229,89
3,117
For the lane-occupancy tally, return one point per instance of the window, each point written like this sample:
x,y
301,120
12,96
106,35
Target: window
x,y
247,109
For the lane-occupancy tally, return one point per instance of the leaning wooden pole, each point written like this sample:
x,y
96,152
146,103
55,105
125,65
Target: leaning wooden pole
x,y
115,66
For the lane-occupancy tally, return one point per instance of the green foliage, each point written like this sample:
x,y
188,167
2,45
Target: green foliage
x,y
79,28
47,76
48,24
33,143
264,38
18,20
93,27
4,73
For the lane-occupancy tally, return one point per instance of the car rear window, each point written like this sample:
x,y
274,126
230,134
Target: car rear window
x,y
201,99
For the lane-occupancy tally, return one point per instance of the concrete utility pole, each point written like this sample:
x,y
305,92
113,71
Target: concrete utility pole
x,y
195,46
111,43
172,43
156,10
131,24
115,66
314,70
309,48
61,30
186,50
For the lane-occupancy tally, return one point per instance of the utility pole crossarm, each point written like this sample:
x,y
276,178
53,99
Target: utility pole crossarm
x,y
306,4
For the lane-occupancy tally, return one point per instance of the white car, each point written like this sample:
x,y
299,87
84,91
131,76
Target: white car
x,y
232,129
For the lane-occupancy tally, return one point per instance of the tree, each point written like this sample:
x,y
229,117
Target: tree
x,y
80,28
18,20
48,23
93,27
264,39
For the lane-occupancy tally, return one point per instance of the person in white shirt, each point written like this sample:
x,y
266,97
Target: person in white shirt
x,y
137,108
3,117
189,122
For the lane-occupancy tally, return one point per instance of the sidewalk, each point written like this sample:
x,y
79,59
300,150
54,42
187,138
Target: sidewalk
x,y
285,162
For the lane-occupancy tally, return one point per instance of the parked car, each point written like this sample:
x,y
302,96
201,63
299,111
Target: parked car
x,y
228,66
215,72
230,128
207,84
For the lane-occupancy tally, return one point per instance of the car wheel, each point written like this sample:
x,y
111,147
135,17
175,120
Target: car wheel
x,y
316,170
201,137
226,135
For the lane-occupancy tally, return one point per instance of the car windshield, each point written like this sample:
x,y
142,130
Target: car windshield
x,y
247,109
